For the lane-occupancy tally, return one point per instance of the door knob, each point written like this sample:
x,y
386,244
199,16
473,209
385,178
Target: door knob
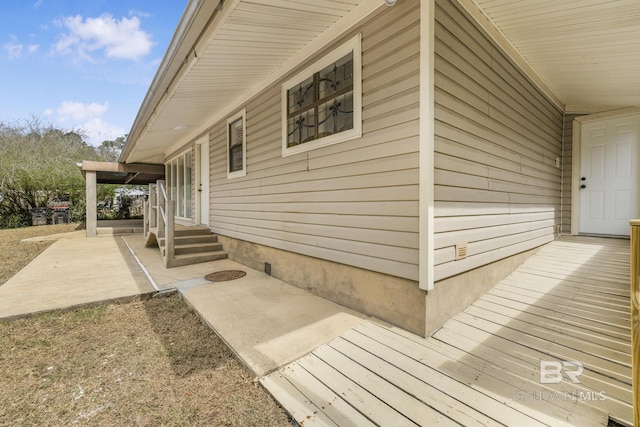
x,y
583,186
584,178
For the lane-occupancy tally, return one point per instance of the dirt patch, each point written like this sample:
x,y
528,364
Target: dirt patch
x,y
144,363
15,254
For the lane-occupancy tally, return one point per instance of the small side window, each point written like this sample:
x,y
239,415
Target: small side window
x,y
237,145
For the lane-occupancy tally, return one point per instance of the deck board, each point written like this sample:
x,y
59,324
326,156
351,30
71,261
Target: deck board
x,y
569,301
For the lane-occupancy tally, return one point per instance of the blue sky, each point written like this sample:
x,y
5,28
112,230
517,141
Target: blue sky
x,y
82,64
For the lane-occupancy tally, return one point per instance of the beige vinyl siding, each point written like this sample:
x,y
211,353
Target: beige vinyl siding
x,y
497,138
355,202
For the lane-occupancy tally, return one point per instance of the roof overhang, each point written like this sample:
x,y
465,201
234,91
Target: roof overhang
x,y
222,54
121,173
583,54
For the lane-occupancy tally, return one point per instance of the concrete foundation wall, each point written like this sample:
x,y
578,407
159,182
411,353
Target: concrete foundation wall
x,y
393,299
452,295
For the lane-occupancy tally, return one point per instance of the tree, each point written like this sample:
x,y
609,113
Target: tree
x,y
109,151
37,166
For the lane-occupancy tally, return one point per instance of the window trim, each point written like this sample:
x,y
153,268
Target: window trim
x,y
242,172
353,45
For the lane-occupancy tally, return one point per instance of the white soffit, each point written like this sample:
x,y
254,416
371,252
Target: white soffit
x,y
586,51
253,41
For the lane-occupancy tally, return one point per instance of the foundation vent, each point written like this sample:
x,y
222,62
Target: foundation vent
x,y
461,251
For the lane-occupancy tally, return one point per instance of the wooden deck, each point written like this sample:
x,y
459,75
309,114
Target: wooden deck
x,y
569,302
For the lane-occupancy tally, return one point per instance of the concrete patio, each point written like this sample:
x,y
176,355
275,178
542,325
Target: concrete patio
x,y
265,321
74,271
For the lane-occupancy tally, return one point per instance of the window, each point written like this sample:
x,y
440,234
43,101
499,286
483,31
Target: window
x,y
323,104
179,188
237,145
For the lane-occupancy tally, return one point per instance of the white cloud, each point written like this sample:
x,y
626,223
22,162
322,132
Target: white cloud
x,y
120,39
97,130
86,118
133,12
70,110
14,50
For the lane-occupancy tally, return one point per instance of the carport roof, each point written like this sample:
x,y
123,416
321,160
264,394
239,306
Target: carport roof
x,y
121,173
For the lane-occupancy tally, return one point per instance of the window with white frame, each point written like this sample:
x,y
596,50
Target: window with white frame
x,y
178,174
323,104
237,145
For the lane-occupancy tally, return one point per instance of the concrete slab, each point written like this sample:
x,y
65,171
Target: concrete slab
x,y
74,271
267,323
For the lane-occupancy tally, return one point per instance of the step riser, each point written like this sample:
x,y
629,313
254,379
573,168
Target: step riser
x,y
191,240
190,232
189,260
198,249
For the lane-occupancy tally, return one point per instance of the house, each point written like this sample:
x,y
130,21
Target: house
x,y
397,157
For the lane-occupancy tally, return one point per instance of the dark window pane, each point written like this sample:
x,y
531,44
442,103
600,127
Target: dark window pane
x,y
336,116
301,96
235,158
236,136
335,77
302,128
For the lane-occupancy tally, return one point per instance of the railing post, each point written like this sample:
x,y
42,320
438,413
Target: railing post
x,y
160,201
146,211
169,232
635,318
153,206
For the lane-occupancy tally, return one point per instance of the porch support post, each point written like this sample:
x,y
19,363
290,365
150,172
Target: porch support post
x,y
635,318
91,204
426,144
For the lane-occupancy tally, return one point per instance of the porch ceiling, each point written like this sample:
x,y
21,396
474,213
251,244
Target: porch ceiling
x,y
586,51
585,54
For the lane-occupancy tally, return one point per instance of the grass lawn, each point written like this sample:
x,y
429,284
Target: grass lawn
x,y
148,363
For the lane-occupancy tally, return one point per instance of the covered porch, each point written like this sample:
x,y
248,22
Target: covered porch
x,y
113,173
548,345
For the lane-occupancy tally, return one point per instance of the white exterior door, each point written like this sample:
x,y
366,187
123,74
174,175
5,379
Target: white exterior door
x,y
203,183
609,175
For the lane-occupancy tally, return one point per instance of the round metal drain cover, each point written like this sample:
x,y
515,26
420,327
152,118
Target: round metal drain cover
x,y
225,275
